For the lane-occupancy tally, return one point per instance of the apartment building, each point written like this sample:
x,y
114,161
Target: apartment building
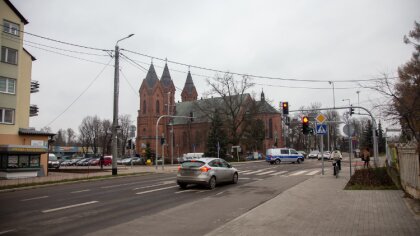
x,y
23,151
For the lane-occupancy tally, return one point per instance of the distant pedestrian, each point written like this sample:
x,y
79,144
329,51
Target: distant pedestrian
x,y
101,161
366,157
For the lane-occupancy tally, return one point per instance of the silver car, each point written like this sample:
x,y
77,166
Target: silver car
x,y
206,171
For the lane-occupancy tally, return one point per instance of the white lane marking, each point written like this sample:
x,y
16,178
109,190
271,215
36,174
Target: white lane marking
x,y
244,171
279,173
186,191
220,193
313,172
155,185
133,183
267,172
70,206
7,231
81,191
34,198
253,172
245,178
298,173
155,190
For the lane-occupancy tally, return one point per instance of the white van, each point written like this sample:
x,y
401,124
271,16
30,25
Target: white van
x,y
278,155
190,156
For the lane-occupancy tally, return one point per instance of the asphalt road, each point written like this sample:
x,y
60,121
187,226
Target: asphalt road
x,y
150,205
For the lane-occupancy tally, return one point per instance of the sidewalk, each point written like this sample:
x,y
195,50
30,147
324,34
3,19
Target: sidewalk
x,y
320,206
69,173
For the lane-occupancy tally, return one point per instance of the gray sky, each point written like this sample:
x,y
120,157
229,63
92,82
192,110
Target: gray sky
x,y
317,40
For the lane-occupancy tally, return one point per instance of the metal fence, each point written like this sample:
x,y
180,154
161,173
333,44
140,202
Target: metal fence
x,y
409,166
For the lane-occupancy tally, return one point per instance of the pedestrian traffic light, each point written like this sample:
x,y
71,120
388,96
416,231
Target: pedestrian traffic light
x,y
351,110
162,141
285,106
305,125
129,144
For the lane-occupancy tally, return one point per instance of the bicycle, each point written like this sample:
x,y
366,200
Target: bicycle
x,y
336,168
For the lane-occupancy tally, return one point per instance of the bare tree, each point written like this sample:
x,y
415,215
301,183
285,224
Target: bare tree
x,y
70,136
125,122
60,138
404,94
90,131
234,104
105,136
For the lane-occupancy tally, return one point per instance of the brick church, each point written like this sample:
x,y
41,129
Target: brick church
x,y
157,98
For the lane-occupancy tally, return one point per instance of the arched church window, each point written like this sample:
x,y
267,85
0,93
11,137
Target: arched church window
x,y
157,107
144,107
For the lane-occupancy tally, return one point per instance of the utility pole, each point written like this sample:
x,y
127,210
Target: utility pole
x,y
115,126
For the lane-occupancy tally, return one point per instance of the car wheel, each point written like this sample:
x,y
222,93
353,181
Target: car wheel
x,y
212,183
277,161
182,185
298,160
235,178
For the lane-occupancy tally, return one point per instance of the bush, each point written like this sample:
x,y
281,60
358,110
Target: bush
x,y
371,179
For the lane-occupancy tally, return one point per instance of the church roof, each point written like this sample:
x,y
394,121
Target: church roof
x,y
265,108
151,77
189,86
166,79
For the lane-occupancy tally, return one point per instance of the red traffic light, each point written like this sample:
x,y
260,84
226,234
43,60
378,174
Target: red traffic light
x,y
305,120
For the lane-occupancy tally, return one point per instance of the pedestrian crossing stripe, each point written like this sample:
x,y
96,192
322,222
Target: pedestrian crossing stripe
x,y
270,172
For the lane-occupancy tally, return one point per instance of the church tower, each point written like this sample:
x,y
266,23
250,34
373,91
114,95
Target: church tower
x,y
189,93
168,90
152,106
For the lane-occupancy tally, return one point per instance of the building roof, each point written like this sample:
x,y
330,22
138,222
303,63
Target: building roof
x,y
151,77
189,86
15,10
32,131
265,108
32,57
166,79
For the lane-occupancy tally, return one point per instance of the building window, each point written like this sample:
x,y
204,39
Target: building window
x,y
7,116
144,107
157,107
20,161
9,55
7,85
10,28
270,128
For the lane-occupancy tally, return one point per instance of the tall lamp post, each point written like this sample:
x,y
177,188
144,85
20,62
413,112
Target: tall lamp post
x,y
332,83
115,114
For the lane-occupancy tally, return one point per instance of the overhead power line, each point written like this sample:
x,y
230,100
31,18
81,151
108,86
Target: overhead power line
x,y
250,75
80,95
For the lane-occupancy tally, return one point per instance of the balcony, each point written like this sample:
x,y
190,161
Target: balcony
x,y
34,86
33,110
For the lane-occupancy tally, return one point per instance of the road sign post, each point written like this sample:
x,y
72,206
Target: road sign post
x,y
321,129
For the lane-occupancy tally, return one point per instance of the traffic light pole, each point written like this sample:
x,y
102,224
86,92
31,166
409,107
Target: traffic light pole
x,y
374,125
157,137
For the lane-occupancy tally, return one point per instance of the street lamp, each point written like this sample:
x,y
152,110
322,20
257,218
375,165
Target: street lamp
x,y
332,82
115,126
358,102
346,99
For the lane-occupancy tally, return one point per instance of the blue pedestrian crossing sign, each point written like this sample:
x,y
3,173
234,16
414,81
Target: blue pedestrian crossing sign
x,y
321,128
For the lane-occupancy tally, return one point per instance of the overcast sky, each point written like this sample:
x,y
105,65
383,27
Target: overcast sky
x,y
315,40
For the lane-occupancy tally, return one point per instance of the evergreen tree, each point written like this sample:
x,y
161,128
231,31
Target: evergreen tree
x,y
381,139
217,136
367,136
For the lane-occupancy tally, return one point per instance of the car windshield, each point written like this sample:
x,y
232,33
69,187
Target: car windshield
x,y
314,152
192,164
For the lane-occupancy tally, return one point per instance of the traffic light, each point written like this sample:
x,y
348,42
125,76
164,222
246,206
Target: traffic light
x,y
305,125
285,106
162,141
351,110
129,144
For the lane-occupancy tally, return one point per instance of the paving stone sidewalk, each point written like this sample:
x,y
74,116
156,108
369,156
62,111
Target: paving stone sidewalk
x,y
320,206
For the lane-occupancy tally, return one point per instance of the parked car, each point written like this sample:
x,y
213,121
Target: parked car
x,y
313,154
305,155
66,163
327,155
53,161
134,161
107,160
278,155
206,171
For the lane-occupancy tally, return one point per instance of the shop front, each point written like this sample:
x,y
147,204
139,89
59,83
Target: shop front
x,y
21,161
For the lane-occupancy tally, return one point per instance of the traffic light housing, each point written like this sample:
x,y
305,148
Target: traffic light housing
x,y
305,125
351,110
162,141
285,106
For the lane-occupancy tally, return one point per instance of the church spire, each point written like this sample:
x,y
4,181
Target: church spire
x,y
151,77
166,80
262,95
189,93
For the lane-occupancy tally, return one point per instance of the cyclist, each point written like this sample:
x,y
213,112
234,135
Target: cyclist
x,y
336,155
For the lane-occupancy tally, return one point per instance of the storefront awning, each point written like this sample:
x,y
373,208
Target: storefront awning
x,y
22,149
